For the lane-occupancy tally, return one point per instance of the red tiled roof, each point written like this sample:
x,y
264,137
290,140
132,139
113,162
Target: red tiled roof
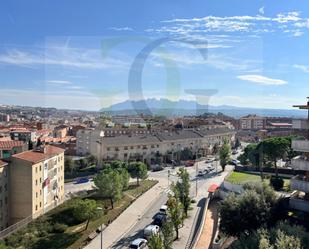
x,y
2,163
38,156
8,145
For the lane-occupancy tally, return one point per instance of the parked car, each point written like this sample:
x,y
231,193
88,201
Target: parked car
x,y
190,163
159,219
151,230
156,167
234,152
163,209
82,180
201,173
138,243
234,162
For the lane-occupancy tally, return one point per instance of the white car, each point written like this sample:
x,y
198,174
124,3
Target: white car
x,y
151,230
138,244
163,209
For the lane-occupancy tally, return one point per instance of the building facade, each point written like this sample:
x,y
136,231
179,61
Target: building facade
x,y
146,147
9,148
300,183
252,122
36,182
4,195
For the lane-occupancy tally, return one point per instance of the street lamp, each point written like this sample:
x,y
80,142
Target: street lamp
x,y
101,209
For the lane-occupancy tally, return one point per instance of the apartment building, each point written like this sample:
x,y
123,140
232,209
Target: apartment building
x,y
4,195
147,147
9,148
300,183
252,122
36,182
23,135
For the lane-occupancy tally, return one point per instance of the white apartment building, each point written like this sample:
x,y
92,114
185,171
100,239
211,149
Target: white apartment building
x,y
145,147
252,122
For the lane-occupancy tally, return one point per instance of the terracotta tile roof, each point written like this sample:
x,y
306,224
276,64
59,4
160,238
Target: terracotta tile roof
x,y
8,145
2,163
36,156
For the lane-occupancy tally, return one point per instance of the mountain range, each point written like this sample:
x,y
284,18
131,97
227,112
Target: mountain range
x,y
189,107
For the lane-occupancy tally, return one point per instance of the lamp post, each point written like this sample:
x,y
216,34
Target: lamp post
x,y
101,235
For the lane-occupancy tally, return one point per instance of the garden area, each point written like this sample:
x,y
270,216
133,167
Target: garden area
x,y
242,178
70,224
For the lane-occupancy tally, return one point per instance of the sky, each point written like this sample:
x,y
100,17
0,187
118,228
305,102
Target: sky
x,y
91,54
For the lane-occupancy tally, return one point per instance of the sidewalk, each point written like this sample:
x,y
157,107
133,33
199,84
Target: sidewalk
x,y
189,223
209,227
128,218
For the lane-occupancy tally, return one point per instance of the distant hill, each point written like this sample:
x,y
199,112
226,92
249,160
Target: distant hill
x,y
188,107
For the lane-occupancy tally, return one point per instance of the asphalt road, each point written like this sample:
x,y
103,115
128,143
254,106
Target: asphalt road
x,y
137,230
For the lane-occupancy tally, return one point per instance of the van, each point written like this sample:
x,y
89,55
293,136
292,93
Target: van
x,y
151,230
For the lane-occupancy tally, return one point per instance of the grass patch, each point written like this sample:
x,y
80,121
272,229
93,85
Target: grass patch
x,y
44,231
242,178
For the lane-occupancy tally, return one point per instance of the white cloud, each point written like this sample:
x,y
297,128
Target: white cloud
x,y
230,24
302,67
81,58
262,79
60,82
121,28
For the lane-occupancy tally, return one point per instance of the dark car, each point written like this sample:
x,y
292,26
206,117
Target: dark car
x,y
159,219
82,180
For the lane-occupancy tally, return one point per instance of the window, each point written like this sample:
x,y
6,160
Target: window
x,y
36,207
36,194
40,204
40,191
40,167
36,169
132,147
125,147
5,187
36,182
40,179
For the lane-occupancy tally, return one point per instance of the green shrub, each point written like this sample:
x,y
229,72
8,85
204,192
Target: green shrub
x,y
60,227
276,182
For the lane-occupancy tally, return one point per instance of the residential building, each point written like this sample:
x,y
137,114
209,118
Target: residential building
x,y
4,195
147,147
23,135
300,183
9,148
36,182
252,122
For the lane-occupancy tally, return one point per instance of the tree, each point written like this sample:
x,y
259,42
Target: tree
x,y
109,183
281,236
85,210
225,154
69,165
168,234
125,177
182,188
237,143
138,170
249,211
155,242
175,213
274,149
92,160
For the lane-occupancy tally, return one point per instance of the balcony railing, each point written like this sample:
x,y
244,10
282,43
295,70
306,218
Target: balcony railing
x,y
299,204
300,163
300,183
301,124
300,145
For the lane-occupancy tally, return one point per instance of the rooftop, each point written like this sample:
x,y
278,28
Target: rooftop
x,y
36,156
8,145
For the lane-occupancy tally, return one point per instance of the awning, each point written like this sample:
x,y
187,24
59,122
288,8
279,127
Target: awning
x,y
213,188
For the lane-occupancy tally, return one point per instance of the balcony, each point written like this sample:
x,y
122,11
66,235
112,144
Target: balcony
x,y
301,124
299,204
299,183
300,145
300,163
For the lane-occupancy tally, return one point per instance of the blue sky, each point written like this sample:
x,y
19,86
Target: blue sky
x,y
79,55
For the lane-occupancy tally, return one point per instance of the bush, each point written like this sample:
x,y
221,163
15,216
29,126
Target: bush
x,y
59,227
276,182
